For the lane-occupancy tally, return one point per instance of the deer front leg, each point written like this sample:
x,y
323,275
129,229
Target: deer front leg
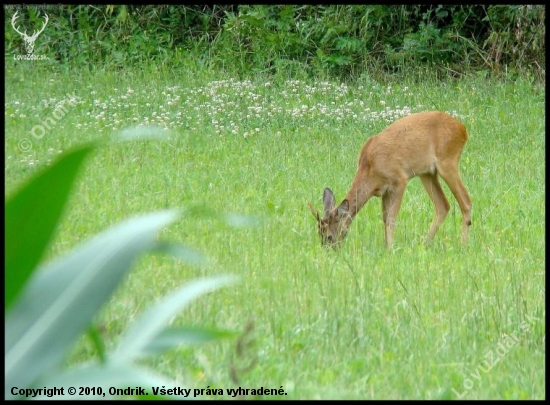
x,y
391,202
385,206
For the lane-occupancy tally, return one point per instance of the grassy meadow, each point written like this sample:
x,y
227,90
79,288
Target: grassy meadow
x,y
413,322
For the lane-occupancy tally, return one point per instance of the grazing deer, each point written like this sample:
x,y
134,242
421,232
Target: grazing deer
x,y
424,145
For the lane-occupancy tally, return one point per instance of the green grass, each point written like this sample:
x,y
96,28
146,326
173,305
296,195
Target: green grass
x,y
364,322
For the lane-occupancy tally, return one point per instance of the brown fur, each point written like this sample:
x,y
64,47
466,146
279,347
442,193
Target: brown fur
x,y
426,145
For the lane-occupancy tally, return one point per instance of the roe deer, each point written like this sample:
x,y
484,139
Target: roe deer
x,y
424,145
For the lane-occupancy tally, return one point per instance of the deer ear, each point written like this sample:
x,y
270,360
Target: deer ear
x,y
314,212
343,208
328,200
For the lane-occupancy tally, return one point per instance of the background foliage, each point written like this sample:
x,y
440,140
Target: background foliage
x,y
339,40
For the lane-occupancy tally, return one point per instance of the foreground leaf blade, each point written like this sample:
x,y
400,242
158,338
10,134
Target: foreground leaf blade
x,y
60,301
140,133
32,214
175,336
179,251
150,324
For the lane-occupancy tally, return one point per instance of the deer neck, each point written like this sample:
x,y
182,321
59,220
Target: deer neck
x,y
357,198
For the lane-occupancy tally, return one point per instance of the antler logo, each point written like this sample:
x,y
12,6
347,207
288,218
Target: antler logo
x,y
29,40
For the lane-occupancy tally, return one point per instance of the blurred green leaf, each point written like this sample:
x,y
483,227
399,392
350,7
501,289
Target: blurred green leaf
x,y
139,336
97,341
32,214
141,132
47,309
173,337
238,220
61,299
185,253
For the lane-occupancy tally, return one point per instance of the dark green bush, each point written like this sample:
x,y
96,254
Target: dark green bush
x,y
337,40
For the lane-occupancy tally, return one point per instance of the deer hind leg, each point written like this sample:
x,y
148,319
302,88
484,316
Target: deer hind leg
x,y
449,171
391,202
433,188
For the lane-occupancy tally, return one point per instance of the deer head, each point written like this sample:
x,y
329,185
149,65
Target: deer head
x,y
29,40
333,227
